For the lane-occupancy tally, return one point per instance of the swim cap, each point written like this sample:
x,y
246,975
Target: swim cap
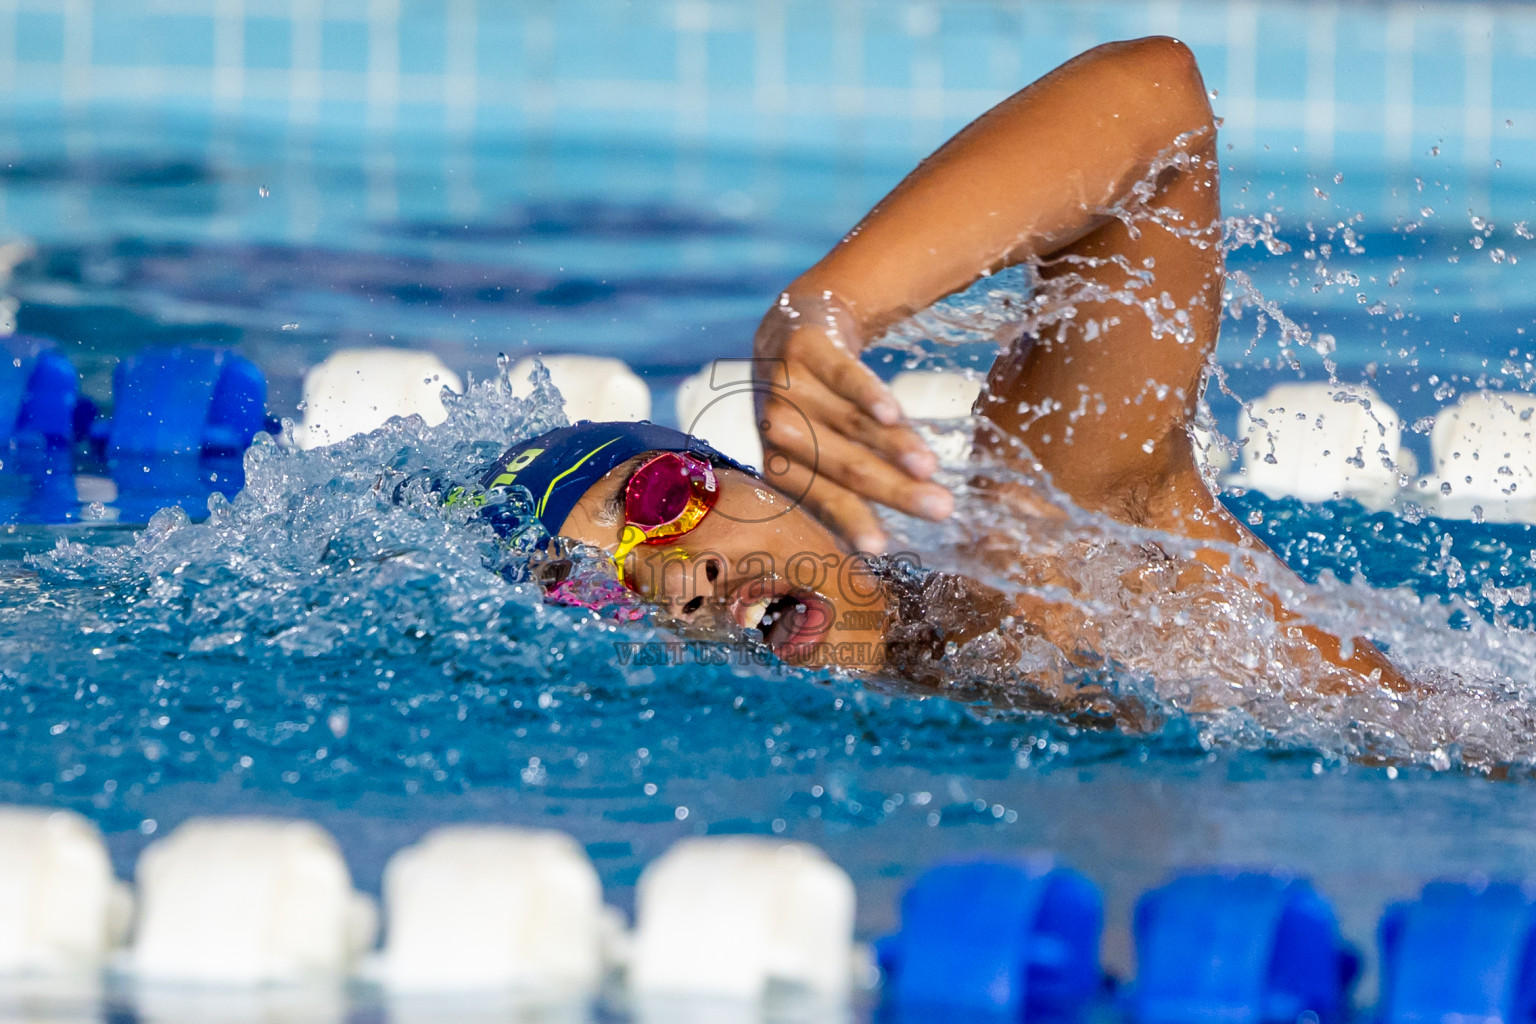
x,y
558,467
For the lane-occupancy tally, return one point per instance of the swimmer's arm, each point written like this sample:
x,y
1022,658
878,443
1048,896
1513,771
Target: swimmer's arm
x,y
1035,173
1362,666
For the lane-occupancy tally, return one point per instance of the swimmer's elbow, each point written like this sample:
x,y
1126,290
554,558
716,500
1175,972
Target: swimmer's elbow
x,y
1166,77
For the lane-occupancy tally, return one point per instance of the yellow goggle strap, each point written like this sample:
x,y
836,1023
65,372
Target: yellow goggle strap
x,y
632,538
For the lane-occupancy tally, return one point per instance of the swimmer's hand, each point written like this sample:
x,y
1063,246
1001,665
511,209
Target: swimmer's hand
x,y
835,434
1037,173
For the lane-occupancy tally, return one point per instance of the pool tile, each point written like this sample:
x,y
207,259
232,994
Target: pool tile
x,y
344,46
39,36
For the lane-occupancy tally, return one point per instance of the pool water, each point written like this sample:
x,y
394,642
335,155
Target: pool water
x,y
331,643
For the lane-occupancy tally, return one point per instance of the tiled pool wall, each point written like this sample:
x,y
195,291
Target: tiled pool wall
x,y
1374,83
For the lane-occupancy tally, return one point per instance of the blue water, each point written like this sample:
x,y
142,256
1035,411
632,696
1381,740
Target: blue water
x,y
331,643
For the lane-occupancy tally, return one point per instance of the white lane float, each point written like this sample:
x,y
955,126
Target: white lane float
x,y
208,1004
484,908
594,387
719,404
1484,449
476,1008
1320,441
61,908
724,917
248,901
938,395
935,394
356,390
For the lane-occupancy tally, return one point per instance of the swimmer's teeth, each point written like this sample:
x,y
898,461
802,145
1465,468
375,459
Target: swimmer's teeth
x,y
753,614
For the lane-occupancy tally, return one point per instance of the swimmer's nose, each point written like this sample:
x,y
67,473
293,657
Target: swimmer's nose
x,y
703,595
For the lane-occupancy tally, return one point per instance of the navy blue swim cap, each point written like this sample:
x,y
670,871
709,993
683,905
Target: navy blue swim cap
x,y
558,467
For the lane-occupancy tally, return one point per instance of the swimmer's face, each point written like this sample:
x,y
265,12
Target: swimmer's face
x,y
758,560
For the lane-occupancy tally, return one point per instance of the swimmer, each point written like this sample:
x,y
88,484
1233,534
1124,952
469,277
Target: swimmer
x,y
1102,174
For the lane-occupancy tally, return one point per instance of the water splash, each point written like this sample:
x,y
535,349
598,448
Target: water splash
x,y
1210,653
339,587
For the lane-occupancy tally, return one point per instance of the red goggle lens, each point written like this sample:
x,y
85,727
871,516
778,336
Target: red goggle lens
x,y
659,491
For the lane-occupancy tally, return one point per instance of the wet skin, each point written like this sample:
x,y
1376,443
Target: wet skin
x,y
1103,398
1101,403
757,560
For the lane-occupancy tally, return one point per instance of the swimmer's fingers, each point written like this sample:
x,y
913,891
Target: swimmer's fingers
x,y
837,429
815,457
834,362
850,464
841,509
827,411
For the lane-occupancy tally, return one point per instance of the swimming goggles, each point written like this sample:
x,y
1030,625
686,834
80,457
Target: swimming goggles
x,y
665,498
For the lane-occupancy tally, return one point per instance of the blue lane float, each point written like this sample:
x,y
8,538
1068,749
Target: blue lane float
x,y
1464,952
188,400
42,414
1009,940
40,400
1239,948
181,419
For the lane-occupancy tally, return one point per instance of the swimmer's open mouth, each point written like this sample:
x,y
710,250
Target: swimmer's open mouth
x,y
785,616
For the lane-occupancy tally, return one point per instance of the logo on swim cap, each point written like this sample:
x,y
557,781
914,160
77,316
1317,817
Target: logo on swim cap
x,y
508,474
